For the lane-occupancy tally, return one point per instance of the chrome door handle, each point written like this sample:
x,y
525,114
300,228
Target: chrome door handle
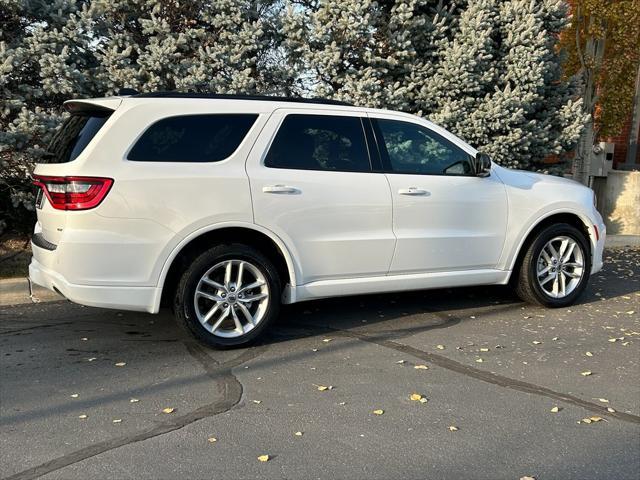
x,y
412,191
281,189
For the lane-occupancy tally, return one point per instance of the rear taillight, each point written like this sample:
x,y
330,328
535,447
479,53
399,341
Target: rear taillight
x,y
73,193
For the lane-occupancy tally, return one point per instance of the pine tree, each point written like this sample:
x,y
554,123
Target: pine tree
x,y
487,70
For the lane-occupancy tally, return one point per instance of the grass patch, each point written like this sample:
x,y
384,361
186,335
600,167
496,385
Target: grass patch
x,y
15,256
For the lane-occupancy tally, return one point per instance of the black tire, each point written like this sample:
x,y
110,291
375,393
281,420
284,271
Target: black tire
x,y
184,308
527,286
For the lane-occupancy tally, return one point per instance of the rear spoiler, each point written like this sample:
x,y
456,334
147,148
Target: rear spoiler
x,y
106,104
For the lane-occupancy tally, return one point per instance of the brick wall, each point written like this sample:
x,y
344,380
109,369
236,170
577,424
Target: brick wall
x,y
622,142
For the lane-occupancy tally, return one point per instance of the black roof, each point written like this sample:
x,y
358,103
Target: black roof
x,y
221,96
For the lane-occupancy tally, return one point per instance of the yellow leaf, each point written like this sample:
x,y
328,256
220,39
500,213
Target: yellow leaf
x,y
453,429
264,458
586,420
298,434
440,347
527,477
121,364
610,410
586,374
415,397
212,439
589,354
613,340
323,388
168,410
327,340
479,360
257,401
134,400
423,400
82,417
74,395
378,412
117,420
595,419
484,349
421,367
536,342
603,400
555,410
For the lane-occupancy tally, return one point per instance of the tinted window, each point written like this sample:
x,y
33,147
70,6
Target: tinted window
x,y
74,135
414,149
319,142
192,138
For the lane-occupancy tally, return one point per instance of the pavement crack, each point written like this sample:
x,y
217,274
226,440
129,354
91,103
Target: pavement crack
x,y
226,383
485,376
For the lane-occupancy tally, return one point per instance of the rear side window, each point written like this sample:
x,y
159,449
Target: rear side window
x,y
74,135
320,142
192,138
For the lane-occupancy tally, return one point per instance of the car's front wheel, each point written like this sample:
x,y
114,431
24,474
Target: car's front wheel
x,y
228,296
555,268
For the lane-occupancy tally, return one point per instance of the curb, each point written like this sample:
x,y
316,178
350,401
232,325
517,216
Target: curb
x,y
618,241
15,291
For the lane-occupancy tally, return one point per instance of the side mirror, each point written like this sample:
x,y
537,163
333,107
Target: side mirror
x,y
482,164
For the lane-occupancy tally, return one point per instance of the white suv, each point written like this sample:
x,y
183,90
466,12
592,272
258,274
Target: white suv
x,y
227,206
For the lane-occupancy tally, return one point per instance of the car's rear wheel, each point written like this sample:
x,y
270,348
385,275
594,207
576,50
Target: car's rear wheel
x,y
228,296
555,268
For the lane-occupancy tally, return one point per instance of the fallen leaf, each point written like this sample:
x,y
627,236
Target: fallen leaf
x,y
587,373
440,347
453,429
555,410
91,359
212,439
82,417
323,388
603,400
536,342
527,478
264,458
479,360
484,349
423,400
613,340
416,397
586,420
401,361
298,434
257,401
133,400
117,420
120,364
589,354
168,410
554,339
421,367
378,412
342,403
84,339
327,340
595,419
610,410
313,350
631,312
74,395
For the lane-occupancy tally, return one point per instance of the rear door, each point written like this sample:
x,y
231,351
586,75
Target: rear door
x,y
66,145
313,186
444,216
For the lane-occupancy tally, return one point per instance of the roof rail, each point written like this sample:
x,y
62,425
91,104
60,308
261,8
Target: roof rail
x,y
222,96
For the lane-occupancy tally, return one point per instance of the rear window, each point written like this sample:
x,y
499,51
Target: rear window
x,y
192,138
74,135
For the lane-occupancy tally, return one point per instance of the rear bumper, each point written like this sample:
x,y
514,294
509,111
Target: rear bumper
x,y
142,299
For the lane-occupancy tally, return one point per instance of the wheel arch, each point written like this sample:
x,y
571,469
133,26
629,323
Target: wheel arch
x,y
573,218
198,241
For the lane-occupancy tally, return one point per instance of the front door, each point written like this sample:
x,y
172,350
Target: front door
x,y
444,217
312,185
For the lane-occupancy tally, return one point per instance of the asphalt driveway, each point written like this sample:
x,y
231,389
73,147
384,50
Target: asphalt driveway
x,y
90,393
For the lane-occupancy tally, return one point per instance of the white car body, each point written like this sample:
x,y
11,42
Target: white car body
x,y
340,233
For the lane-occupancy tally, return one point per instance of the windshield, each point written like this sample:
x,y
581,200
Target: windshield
x,y
74,135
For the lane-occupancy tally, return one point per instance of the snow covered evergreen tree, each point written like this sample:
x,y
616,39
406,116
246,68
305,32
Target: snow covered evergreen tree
x,y
485,69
